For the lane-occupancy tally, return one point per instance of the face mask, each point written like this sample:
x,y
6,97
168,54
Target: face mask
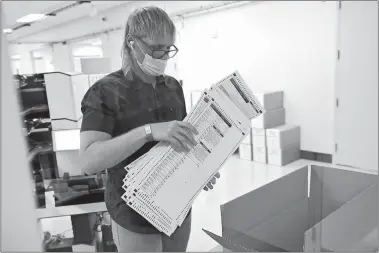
x,y
151,66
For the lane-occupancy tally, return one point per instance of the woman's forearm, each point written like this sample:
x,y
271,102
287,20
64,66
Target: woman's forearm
x,y
102,155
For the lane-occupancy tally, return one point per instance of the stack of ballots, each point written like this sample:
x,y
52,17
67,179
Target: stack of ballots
x,y
162,184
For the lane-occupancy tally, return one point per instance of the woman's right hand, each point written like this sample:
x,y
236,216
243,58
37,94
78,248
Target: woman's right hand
x,y
178,133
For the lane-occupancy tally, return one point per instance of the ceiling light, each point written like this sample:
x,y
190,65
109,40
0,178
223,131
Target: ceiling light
x,y
93,11
97,43
8,30
31,18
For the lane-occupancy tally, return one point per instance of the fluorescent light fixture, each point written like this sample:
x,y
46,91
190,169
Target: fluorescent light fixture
x,y
31,18
93,11
8,30
97,43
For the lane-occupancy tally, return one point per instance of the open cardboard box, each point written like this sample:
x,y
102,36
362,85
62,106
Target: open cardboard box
x,y
312,209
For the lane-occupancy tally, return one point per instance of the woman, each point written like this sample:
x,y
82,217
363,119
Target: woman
x,y
125,114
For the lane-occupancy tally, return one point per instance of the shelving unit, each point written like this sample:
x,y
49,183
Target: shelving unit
x,y
37,130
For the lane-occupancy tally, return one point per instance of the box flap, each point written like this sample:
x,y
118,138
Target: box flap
x,y
352,227
369,242
285,230
254,208
245,243
228,244
331,188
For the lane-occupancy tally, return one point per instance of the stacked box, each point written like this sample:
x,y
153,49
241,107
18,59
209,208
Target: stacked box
x,y
270,119
248,139
274,116
246,148
271,101
259,145
283,144
246,152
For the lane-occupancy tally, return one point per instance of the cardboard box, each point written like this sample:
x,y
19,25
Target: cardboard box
x,y
329,234
246,152
279,216
258,131
270,119
282,157
258,137
248,139
260,154
259,141
270,100
282,136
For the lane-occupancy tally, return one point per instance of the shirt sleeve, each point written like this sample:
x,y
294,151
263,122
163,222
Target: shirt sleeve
x,y
97,110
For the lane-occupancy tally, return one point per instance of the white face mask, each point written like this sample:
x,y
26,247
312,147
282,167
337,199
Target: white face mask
x,y
151,66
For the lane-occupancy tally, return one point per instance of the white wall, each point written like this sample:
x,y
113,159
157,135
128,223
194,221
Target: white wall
x,y
288,46
112,44
62,59
84,51
26,63
44,64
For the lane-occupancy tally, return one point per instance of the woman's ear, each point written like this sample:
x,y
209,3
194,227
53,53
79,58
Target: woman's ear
x,y
129,41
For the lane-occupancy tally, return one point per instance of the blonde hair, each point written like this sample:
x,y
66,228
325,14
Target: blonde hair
x,y
147,22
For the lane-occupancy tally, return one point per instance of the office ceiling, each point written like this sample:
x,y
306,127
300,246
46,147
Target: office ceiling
x,y
85,20
52,29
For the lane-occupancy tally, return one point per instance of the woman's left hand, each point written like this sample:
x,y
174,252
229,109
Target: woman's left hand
x,y
211,183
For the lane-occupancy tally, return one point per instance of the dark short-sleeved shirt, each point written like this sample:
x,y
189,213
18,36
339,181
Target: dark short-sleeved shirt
x,y
117,104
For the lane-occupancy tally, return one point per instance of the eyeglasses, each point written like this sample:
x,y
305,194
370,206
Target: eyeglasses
x,y
160,53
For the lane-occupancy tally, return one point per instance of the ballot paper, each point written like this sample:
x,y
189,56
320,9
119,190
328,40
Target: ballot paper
x,y
162,184
233,86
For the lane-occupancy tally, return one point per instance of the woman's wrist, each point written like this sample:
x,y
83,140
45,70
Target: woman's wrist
x,y
148,132
141,133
